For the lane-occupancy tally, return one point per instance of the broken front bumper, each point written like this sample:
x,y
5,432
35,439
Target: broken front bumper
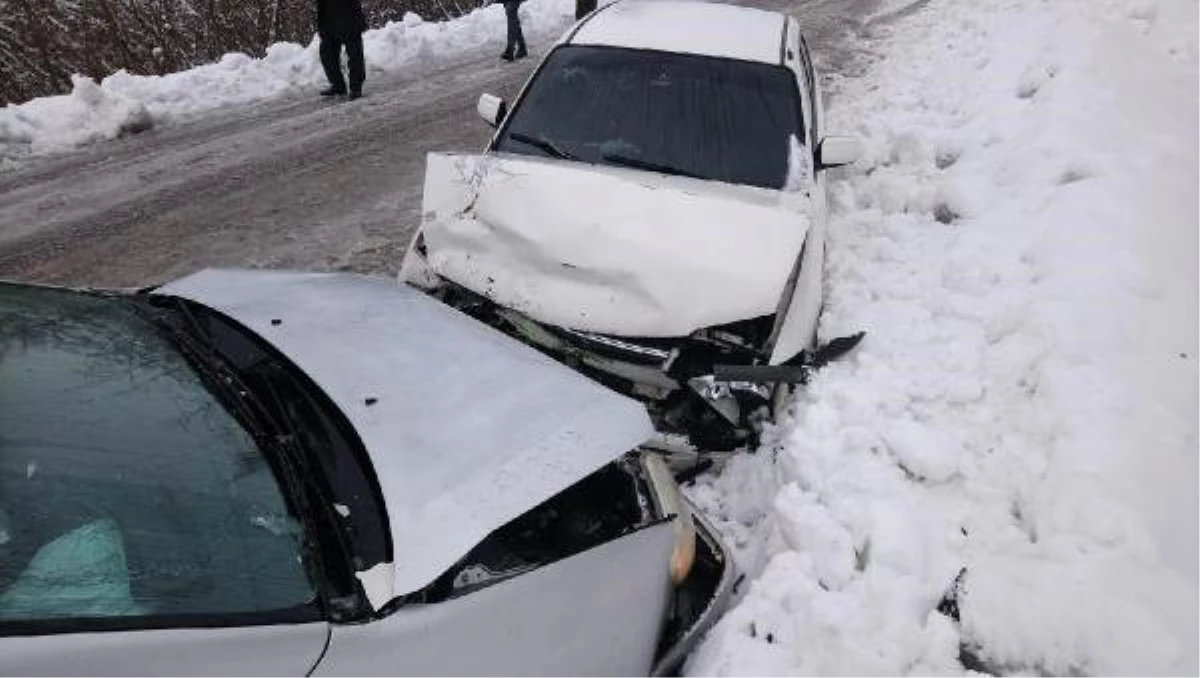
x,y
710,392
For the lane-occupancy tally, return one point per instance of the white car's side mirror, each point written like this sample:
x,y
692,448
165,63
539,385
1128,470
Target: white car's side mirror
x,y
837,151
491,108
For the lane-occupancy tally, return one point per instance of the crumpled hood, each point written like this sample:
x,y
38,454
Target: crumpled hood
x,y
466,428
609,250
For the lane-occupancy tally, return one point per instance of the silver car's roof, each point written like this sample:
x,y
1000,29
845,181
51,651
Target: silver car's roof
x,y
467,429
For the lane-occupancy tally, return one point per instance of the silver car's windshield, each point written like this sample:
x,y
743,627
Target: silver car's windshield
x,y
680,114
127,488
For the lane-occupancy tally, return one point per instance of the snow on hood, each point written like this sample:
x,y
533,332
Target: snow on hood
x,y
609,250
468,429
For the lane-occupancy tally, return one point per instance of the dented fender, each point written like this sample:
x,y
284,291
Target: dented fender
x,y
800,304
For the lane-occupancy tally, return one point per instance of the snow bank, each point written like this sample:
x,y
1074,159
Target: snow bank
x,y
125,103
1020,243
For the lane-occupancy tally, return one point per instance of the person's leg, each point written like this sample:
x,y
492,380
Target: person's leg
x,y
514,29
583,8
358,67
331,61
516,19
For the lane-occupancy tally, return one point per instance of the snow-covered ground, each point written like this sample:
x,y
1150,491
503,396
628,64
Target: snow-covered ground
x,y
1020,243
124,103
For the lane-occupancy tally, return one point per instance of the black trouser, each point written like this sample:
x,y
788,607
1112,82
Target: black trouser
x,y
516,39
331,60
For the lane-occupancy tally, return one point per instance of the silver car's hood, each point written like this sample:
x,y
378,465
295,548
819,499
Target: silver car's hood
x,y
467,429
606,249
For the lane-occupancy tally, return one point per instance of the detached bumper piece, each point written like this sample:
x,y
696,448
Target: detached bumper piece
x,y
760,374
740,392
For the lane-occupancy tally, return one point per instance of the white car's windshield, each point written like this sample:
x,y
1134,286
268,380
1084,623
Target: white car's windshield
x,y
682,114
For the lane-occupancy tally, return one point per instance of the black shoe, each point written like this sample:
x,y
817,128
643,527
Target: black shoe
x,y
507,56
521,53
333,92
355,94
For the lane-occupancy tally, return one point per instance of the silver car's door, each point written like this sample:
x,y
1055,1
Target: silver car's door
x,y
250,651
596,613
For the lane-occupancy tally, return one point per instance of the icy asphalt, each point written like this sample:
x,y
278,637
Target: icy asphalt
x,y
298,182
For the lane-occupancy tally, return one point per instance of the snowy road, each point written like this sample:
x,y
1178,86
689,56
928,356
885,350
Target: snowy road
x,y
299,183
295,183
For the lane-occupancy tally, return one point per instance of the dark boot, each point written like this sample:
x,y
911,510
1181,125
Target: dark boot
x,y
507,55
521,52
355,93
333,92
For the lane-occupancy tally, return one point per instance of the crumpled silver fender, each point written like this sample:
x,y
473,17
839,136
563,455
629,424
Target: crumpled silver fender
x,y
596,613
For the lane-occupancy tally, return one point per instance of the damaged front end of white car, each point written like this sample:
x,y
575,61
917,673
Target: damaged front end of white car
x,y
698,298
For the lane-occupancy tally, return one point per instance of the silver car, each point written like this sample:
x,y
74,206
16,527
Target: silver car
x,y
281,473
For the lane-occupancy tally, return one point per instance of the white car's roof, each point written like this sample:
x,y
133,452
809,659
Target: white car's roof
x,y
466,428
687,26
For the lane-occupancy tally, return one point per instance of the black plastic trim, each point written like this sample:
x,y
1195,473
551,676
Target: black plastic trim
x,y
360,455
783,44
332,551
301,614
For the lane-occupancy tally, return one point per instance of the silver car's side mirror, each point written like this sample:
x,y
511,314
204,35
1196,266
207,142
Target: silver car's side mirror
x,y
837,151
491,108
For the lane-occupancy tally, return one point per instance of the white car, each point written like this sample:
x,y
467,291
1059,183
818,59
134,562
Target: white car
x,y
651,210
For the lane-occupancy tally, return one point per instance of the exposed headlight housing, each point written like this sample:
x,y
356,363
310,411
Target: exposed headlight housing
x,y
669,501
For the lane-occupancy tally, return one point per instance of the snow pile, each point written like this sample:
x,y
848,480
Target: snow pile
x,y
125,103
1020,243
89,113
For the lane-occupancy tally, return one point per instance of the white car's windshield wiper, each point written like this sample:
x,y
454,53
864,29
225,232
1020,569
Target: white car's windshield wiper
x,y
543,143
636,163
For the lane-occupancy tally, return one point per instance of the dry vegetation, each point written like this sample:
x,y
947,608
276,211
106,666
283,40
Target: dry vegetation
x,y
43,42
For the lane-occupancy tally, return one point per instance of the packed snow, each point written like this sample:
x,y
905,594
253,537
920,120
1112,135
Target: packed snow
x,y
123,103
1020,244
